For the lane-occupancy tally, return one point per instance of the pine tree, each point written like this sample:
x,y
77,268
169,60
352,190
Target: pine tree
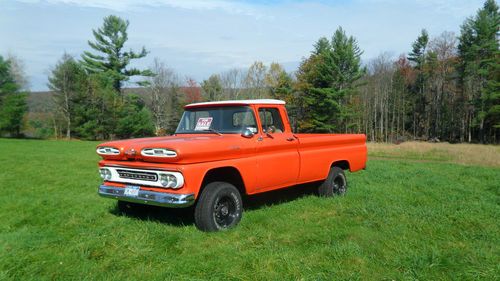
x,y
212,88
325,78
135,119
419,48
279,83
13,104
479,69
111,58
418,56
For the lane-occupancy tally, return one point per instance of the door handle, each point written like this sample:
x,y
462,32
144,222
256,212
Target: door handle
x,y
290,139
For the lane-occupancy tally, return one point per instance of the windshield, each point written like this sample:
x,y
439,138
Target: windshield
x,y
224,120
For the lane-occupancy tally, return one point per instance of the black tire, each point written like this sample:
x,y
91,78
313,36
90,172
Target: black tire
x,y
335,183
219,207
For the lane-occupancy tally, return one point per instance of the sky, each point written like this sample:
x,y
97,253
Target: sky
x,y
198,38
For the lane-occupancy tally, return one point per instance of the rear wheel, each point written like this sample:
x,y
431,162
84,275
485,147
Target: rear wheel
x,y
335,183
219,207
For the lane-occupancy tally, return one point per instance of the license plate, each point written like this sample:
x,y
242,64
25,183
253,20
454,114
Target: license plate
x,y
131,191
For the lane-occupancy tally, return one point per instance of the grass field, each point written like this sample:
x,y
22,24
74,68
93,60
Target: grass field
x,y
401,220
465,154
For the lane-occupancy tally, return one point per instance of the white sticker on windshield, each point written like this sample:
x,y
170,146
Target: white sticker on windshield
x,y
203,123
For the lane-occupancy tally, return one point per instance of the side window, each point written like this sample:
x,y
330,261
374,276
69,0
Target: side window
x,y
244,119
271,120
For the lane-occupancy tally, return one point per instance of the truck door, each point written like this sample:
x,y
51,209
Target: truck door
x,y
277,151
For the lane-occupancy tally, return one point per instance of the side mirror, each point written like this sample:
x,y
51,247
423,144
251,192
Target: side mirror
x,y
271,130
247,133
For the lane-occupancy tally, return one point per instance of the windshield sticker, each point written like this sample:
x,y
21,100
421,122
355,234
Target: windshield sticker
x,y
203,124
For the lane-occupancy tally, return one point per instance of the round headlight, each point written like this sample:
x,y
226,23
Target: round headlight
x,y
168,180
172,182
105,174
102,173
164,179
108,174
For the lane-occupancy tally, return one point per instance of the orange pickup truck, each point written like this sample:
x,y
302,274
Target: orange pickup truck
x,y
222,151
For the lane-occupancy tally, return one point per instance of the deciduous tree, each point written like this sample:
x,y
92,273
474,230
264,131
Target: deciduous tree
x,y
192,92
163,91
255,80
66,81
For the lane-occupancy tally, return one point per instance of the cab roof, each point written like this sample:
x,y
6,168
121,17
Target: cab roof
x,y
235,102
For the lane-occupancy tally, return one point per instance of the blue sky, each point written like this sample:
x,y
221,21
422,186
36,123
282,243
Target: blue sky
x,y
198,38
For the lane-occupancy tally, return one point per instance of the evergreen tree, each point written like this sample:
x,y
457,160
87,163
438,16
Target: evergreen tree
x,y
279,83
7,83
212,88
174,113
97,114
418,56
111,58
419,47
135,119
13,104
322,45
479,69
325,79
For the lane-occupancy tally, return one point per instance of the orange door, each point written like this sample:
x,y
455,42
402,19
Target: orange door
x,y
277,152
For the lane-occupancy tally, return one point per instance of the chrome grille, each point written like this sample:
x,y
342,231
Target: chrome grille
x,y
137,175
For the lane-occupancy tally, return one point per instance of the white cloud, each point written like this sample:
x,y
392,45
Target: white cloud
x,y
198,37
454,8
232,7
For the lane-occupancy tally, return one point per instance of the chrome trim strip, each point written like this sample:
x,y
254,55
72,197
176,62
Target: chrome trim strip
x,y
162,199
107,150
145,152
142,168
115,177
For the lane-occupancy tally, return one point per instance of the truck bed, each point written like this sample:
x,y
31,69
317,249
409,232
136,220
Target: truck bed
x,y
319,151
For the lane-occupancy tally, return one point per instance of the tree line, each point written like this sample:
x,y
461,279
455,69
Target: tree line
x,y
445,89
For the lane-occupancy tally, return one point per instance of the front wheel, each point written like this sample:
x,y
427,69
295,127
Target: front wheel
x,y
335,183
219,207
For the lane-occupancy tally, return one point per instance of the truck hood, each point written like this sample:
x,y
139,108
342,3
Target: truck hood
x,y
189,148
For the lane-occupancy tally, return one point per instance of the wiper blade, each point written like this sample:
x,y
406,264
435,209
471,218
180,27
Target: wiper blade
x,y
213,131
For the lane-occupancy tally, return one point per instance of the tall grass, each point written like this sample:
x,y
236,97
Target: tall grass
x,y
399,221
466,154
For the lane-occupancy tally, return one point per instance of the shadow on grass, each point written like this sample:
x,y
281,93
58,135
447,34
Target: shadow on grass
x,y
172,216
185,216
280,196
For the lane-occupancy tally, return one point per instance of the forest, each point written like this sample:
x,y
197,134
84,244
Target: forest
x,y
446,88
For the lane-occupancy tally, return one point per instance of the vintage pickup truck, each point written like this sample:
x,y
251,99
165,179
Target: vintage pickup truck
x,y
222,151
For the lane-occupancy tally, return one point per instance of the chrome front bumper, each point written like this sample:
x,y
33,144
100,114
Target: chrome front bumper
x,y
148,197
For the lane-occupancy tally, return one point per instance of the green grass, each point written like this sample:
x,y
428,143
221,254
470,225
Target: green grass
x,y
399,221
